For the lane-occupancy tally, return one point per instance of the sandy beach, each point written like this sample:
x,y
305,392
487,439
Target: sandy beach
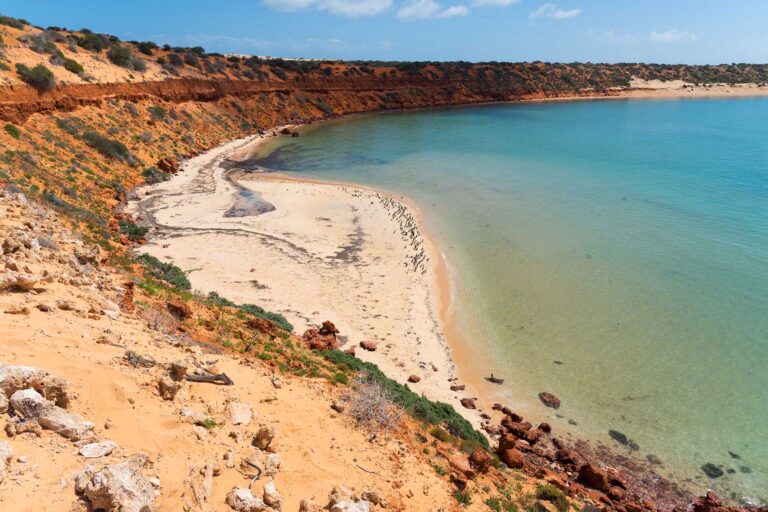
x,y
311,251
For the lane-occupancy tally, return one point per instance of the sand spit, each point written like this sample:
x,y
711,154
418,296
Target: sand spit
x,y
311,251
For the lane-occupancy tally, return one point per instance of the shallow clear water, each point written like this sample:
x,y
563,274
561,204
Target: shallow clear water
x,y
627,240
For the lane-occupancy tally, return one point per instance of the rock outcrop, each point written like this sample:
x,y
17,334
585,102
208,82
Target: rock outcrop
x,y
117,488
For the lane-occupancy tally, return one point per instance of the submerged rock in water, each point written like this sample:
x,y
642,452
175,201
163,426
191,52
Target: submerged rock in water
x,y
549,399
711,470
621,438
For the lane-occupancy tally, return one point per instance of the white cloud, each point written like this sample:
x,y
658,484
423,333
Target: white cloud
x,y
673,36
554,12
424,9
455,10
494,3
349,8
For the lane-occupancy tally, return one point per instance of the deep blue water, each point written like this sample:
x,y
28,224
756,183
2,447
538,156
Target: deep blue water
x,y
626,239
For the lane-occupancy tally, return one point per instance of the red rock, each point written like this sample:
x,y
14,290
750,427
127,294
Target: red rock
x,y
532,435
328,329
549,399
458,387
594,477
414,378
317,341
468,403
350,351
616,493
262,325
460,463
168,164
507,442
512,458
480,460
545,427
519,429
370,346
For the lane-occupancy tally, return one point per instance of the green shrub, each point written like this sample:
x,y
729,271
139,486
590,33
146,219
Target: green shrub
x,y
73,66
39,77
278,72
119,55
175,60
157,112
11,22
91,42
464,498
251,309
13,130
420,407
549,492
146,47
133,231
108,147
154,175
168,272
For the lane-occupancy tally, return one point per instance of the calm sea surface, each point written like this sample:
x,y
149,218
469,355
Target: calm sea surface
x,y
614,253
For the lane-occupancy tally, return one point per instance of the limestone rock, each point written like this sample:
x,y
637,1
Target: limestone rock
x,y
168,387
271,497
343,500
370,346
13,378
29,404
240,413
18,280
96,450
272,464
117,488
310,506
242,500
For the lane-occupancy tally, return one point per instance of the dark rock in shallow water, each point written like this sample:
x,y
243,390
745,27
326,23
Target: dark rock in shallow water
x,y
549,399
745,469
711,470
619,436
734,455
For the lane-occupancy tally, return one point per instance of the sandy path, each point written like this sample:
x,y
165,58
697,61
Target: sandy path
x,y
325,252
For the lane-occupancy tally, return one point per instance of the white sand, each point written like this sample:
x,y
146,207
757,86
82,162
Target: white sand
x,y
327,252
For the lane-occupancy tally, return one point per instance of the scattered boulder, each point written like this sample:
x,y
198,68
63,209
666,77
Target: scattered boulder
x,y
14,378
512,457
342,499
117,488
168,387
328,328
29,404
3,404
549,399
458,387
370,346
414,379
468,403
264,438
96,450
272,464
17,427
271,497
310,506
168,164
240,413
242,500
21,281
317,341
480,460
594,477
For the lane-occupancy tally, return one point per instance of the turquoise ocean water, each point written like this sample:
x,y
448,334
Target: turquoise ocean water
x,y
614,253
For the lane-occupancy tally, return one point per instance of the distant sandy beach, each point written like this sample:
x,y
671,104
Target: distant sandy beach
x,y
312,251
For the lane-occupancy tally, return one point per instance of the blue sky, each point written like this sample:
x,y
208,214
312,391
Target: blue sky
x,y
670,31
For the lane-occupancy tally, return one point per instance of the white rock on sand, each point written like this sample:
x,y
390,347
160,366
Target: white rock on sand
x,y
29,404
96,450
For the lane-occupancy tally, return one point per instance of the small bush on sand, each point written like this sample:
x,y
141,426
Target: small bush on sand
x,y
154,175
168,272
372,405
436,413
39,77
133,231
13,130
252,309
549,492
73,66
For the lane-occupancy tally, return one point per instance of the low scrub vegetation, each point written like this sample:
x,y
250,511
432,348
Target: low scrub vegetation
x,y
73,66
13,130
108,147
436,413
39,77
134,232
372,405
252,309
167,272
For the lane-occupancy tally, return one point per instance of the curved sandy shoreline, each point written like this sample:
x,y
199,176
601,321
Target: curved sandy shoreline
x,y
326,251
